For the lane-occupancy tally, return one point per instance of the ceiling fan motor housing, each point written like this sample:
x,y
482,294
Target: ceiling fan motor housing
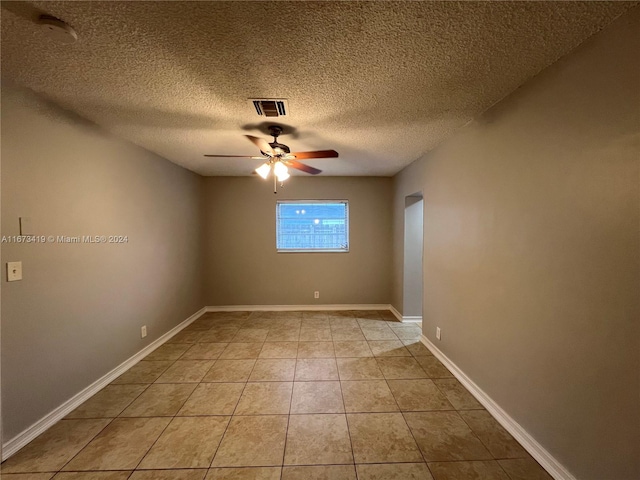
x,y
280,146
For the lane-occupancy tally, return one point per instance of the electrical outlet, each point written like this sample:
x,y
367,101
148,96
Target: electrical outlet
x,y
316,294
143,331
438,334
14,271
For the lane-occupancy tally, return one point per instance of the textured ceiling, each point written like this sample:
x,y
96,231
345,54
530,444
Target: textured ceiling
x,y
380,82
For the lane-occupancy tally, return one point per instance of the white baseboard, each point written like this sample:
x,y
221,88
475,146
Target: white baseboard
x,y
537,451
397,314
24,437
405,318
289,308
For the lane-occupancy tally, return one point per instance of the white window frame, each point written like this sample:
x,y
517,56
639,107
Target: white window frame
x,y
314,250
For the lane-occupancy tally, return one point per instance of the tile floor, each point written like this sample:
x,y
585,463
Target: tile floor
x,y
281,395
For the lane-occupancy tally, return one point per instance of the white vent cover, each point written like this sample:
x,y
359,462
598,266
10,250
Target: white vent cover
x,y
270,107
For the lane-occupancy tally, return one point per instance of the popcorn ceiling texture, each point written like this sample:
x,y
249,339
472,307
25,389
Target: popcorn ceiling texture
x,y
380,82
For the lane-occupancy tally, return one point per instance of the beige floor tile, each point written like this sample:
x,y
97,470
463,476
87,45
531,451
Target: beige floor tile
x,y
286,324
120,446
388,316
315,334
340,313
316,350
400,368
191,474
168,351
487,470
433,367
382,438
340,322
143,372
416,348
368,396
186,371
55,447
88,476
394,471
315,322
318,439
408,332
204,351
317,397
279,350
455,392
379,333
388,348
213,399
248,335
198,326
189,336
251,473
315,314
349,349
321,472
253,441
265,398
28,476
188,442
238,351
359,369
418,395
347,334
273,370
108,402
444,436
219,335
283,334
230,371
524,469
372,314
160,400
225,326
371,323
497,440
316,369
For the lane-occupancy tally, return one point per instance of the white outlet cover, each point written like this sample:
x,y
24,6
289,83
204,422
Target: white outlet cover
x,y
14,271
438,333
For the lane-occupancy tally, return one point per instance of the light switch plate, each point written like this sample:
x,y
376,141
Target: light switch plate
x,y
25,226
14,271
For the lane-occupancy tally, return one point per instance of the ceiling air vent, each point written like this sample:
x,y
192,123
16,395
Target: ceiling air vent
x,y
270,107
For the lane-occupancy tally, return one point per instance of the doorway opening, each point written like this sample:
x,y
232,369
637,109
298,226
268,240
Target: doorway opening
x,y
413,242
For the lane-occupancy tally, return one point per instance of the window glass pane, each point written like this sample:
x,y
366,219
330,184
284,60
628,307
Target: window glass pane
x,y
312,226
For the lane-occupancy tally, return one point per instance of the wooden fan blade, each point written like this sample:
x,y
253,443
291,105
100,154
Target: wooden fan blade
x,y
316,154
262,144
303,167
236,156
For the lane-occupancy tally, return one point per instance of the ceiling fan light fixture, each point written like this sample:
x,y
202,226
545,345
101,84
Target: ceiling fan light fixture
x,y
283,176
263,170
280,169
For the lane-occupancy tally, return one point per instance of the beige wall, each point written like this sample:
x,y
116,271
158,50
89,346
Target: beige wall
x,y
78,311
531,258
243,268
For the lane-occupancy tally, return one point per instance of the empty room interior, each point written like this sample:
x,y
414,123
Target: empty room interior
x,y
320,240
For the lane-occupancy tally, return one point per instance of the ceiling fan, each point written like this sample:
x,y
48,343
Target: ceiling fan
x,y
279,157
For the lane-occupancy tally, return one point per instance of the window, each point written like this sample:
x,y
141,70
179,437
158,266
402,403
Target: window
x,y
312,226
